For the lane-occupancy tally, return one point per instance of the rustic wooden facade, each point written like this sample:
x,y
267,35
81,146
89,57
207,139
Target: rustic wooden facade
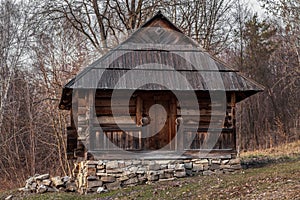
x,y
161,53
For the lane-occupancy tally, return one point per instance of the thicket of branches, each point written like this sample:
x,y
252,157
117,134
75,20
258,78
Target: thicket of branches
x,y
44,43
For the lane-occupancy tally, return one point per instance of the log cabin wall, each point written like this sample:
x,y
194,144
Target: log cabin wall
x,y
100,132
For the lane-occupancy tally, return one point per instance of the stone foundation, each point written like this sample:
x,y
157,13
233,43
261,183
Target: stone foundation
x,y
98,176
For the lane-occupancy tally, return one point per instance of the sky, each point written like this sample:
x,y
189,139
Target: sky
x,y
254,4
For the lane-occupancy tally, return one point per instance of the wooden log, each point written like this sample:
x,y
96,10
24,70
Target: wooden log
x,y
115,120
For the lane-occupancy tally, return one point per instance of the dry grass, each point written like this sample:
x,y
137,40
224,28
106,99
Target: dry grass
x,y
286,150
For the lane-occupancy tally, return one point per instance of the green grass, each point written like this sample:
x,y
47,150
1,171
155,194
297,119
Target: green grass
x,y
276,181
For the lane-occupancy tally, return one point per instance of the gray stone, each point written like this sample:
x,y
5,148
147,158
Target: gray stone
x,y
179,167
136,162
171,166
225,166
123,178
162,174
114,171
236,167
163,166
108,179
92,162
208,172
9,197
128,163
205,167
198,167
95,183
154,167
46,182
42,177
131,181
24,189
218,161
202,161
133,169
41,189
224,162
52,189
71,187
113,186
164,162
57,182
153,177
112,165
234,161
121,164
30,180
34,186
100,167
101,174
180,174
100,171
188,165
66,179
101,190
90,178
214,166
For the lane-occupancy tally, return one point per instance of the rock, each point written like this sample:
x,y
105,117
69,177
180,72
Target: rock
x,y
154,167
180,174
114,171
92,162
71,187
153,175
52,189
9,197
91,184
33,186
179,167
236,167
198,167
108,179
42,177
188,165
46,182
112,165
131,181
101,190
91,178
41,189
202,161
24,189
113,186
66,179
123,178
30,180
224,162
133,169
136,162
234,161
208,173
214,166
216,161
171,166
57,182
92,171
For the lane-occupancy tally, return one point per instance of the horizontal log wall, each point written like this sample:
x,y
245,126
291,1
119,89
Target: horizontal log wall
x,y
199,126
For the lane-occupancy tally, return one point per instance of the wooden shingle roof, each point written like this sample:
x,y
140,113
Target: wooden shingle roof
x,y
158,56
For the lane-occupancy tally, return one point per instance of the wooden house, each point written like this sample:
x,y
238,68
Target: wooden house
x,y
156,95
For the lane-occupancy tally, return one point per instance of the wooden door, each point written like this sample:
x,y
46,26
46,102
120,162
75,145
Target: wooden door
x,y
161,129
